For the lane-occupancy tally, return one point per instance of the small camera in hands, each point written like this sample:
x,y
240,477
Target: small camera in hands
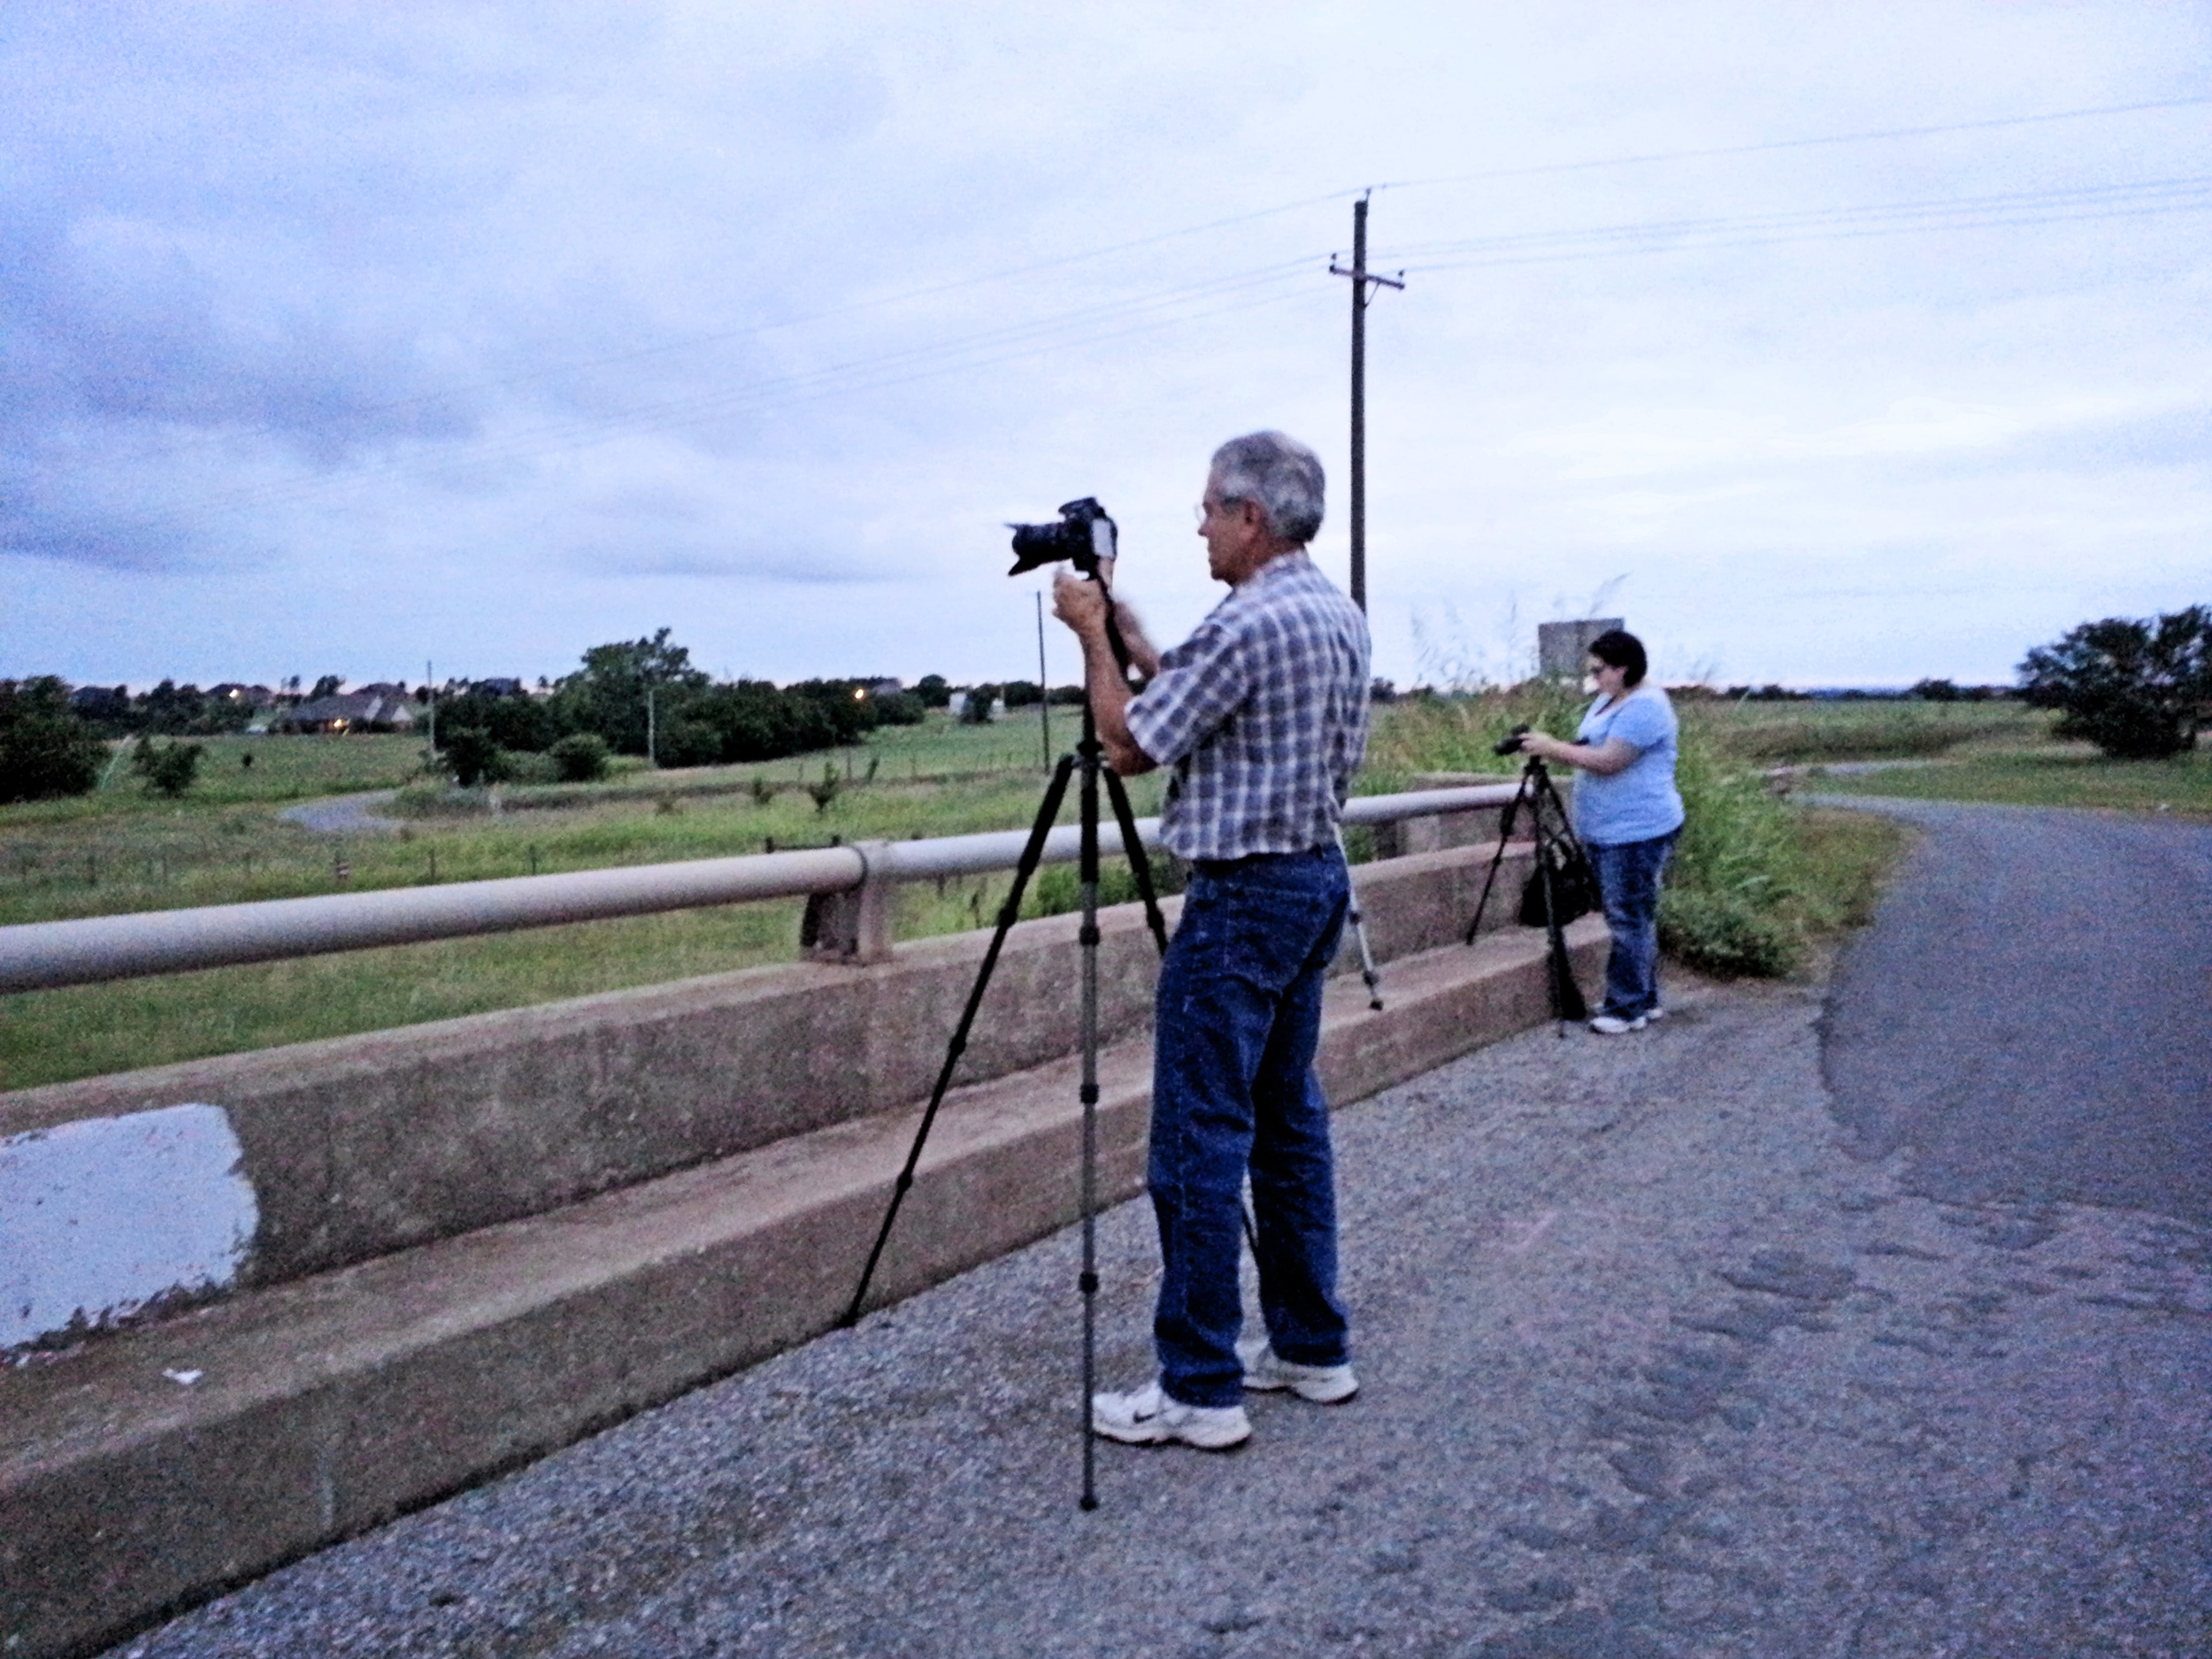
x,y
1512,742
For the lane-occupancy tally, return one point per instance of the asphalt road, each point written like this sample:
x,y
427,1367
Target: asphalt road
x,y
2032,1012
1659,1362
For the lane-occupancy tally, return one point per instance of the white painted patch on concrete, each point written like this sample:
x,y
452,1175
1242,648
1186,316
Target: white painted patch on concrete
x,y
100,1217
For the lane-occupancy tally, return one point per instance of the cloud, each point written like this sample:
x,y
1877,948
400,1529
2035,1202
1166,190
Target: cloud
x,y
374,330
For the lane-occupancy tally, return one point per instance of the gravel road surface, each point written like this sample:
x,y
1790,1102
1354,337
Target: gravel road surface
x,y
344,814
1659,1362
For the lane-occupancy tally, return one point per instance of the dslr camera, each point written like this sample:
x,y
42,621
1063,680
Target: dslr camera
x,y
1083,535
1511,742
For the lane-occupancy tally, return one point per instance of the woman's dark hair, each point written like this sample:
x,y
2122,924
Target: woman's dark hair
x,y
1618,647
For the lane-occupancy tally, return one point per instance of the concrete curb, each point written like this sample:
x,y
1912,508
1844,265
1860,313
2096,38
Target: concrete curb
x,y
324,1405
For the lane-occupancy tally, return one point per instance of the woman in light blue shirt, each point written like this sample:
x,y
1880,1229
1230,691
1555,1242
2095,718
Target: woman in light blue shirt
x,y
1628,812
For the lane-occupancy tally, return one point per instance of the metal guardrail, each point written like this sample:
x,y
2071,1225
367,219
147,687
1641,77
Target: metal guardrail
x,y
39,955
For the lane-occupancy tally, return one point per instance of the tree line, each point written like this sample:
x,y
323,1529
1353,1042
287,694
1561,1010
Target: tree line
x,y
628,697
2137,688
646,697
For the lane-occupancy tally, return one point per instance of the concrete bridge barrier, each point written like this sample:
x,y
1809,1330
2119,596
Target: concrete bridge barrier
x,y
461,1245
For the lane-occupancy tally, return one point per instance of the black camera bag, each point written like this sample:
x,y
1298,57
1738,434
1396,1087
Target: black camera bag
x,y
1573,884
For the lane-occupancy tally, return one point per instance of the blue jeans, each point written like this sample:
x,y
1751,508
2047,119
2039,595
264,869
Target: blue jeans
x,y
1237,1021
1628,875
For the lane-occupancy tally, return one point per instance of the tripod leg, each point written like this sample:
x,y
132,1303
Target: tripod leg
x,y
1368,973
1089,1284
1505,832
1047,812
1558,848
1133,846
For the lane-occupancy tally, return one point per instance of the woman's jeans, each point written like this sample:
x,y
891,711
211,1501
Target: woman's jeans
x,y
1238,1019
1628,876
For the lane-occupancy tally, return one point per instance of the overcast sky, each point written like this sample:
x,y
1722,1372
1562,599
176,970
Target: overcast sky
x,y
336,339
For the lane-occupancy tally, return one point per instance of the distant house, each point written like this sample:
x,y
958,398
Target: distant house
x,y
975,707
379,708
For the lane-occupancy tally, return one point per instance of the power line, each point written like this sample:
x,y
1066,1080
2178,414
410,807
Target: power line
x,y
2034,207
1800,144
1081,327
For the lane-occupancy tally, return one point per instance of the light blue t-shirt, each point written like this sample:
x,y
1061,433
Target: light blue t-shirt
x,y
1640,802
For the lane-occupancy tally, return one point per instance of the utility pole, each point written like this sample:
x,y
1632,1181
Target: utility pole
x,y
1362,278
1044,687
430,685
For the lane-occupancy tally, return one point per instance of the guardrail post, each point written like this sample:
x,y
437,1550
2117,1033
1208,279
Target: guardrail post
x,y
854,925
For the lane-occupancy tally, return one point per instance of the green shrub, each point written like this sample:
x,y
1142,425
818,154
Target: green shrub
x,y
472,757
527,768
581,758
2139,690
45,750
169,768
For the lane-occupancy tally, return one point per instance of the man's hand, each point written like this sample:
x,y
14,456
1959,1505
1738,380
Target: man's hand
x,y
1082,605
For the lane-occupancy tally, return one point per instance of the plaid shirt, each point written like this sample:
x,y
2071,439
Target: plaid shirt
x,y
1263,713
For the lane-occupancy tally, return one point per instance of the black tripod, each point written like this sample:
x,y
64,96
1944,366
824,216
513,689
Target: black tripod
x,y
1562,888
1089,757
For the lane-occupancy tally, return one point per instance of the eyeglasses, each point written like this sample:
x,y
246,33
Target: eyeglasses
x,y
1200,511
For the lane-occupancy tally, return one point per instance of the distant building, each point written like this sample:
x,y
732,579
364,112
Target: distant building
x,y
975,708
1562,647
379,708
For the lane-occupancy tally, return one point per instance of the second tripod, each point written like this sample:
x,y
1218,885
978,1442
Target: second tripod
x,y
1562,887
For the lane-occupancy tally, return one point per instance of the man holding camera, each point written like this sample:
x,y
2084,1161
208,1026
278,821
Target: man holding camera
x,y
1262,714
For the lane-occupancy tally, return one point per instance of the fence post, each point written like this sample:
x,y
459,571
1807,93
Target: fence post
x,y
853,926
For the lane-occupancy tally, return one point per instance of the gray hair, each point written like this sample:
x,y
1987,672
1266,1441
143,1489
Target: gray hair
x,y
1279,473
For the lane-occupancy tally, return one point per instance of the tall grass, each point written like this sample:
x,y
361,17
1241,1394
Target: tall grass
x,y
1422,735
1737,896
1752,883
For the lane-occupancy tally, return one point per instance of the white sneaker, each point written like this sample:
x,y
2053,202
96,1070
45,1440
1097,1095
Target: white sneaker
x,y
1654,1013
1146,1417
1614,1026
1265,1369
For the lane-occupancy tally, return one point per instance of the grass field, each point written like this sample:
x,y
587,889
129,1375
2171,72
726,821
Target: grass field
x,y
121,849
1784,734
2069,774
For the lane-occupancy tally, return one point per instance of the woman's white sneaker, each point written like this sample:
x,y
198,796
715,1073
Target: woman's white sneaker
x,y
1614,1026
1265,1369
1148,1416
